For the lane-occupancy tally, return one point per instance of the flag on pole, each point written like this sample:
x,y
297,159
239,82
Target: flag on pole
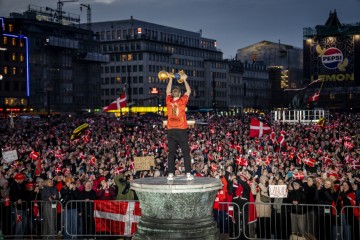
x,y
281,138
116,217
315,97
117,104
258,129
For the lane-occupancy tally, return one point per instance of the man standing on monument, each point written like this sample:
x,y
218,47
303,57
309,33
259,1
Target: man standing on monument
x,y
177,127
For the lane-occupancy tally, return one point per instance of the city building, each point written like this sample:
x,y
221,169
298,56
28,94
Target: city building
x,y
64,62
332,53
249,87
138,50
14,69
285,68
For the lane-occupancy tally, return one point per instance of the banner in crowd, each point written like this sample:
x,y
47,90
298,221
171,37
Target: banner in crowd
x,y
10,156
116,217
144,163
278,191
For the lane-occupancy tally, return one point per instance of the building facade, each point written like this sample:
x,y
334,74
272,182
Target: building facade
x,y
332,53
249,87
64,64
138,50
14,69
285,68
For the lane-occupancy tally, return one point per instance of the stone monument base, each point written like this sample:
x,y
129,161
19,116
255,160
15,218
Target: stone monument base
x,y
177,209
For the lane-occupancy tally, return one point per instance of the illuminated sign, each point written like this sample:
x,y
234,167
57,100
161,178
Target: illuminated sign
x,y
3,49
332,58
154,90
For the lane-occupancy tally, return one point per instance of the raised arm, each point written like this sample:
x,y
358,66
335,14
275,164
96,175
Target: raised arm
x,y
168,87
187,87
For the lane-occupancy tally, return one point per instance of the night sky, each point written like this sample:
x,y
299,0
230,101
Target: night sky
x,y
233,23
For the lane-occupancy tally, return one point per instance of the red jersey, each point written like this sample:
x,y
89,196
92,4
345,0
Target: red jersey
x,y
176,112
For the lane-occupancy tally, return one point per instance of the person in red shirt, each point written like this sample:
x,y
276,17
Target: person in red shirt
x,y
177,134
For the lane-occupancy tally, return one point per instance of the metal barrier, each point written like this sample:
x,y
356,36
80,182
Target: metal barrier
x,y
31,219
101,218
228,219
107,218
288,221
350,223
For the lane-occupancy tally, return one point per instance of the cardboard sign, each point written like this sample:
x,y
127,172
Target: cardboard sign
x,y
278,191
10,156
144,163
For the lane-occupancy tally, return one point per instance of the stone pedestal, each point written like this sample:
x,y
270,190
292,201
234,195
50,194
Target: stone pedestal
x,y
177,209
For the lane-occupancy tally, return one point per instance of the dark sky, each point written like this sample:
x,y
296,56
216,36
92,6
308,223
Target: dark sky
x,y
233,23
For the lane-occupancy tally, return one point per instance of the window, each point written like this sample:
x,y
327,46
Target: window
x,y
6,71
13,56
141,91
21,43
14,71
13,42
141,68
11,28
5,39
141,79
22,57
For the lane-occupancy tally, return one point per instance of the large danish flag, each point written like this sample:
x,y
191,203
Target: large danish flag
x,y
117,104
257,128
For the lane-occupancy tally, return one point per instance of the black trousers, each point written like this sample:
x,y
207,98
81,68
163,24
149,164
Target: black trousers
x,y
178,137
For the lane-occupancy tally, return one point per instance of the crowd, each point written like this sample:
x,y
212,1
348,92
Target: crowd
x,y
320,164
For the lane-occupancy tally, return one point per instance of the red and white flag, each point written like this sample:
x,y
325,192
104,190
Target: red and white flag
x,y
241,161
309,161
299,175
117,104
315,97
116,217
281,139
257,128
34,155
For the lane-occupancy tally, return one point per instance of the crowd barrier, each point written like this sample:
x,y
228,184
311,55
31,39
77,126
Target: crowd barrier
x,y
102,219
288,221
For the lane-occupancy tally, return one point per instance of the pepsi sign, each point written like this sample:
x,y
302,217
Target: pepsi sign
x,y
332,57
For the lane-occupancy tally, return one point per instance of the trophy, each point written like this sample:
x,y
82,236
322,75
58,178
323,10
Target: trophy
x,y
180,76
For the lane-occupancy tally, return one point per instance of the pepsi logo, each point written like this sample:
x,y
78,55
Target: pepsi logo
x,y
332,57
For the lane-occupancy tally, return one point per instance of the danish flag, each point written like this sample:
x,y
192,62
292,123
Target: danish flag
x,y
258,129
116,217
117,104
34,155
315,97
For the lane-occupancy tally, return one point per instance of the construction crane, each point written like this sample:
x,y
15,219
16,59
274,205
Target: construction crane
x,y
59,11
88,14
